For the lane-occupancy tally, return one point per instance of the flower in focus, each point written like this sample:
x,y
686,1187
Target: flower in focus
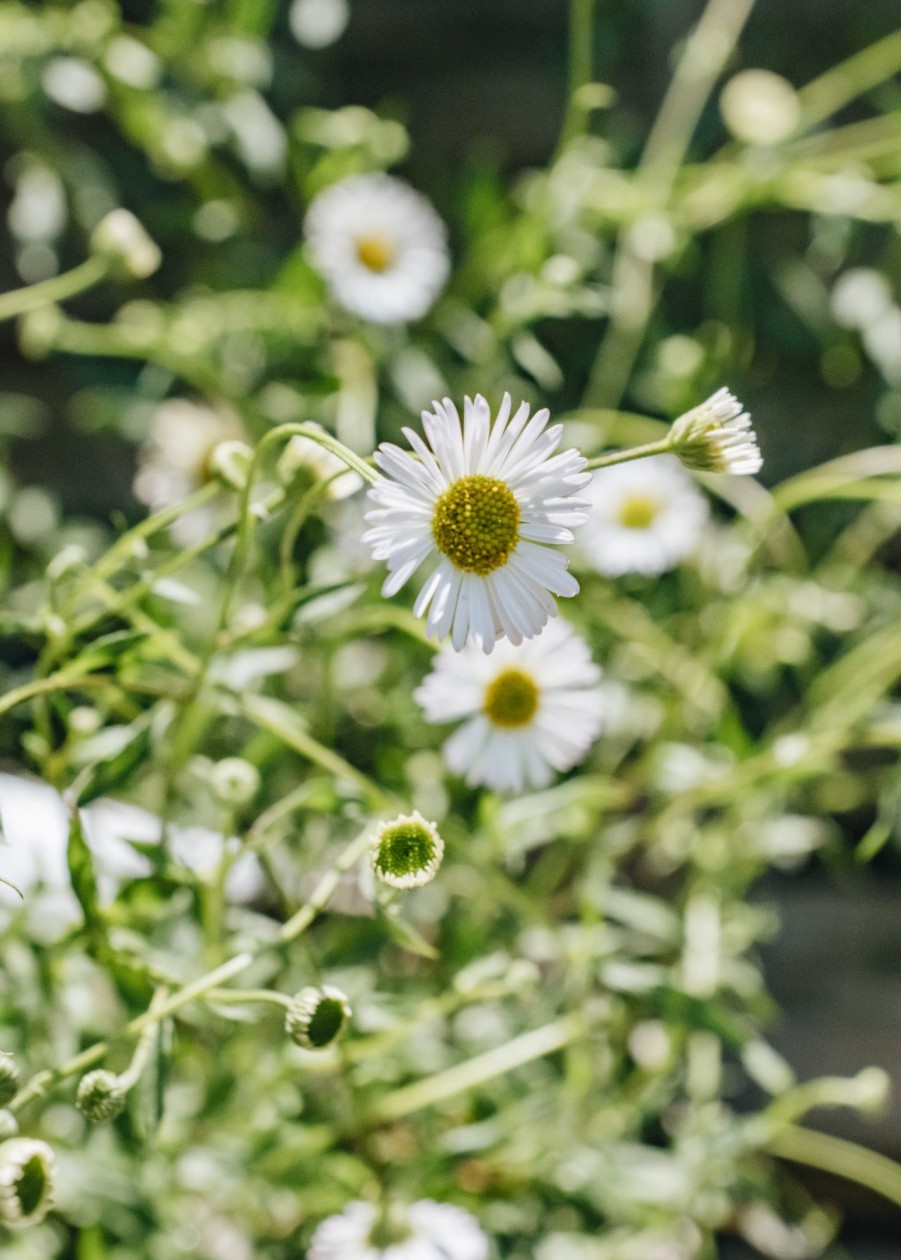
x,y
717,437
491,503
380,246
407,852
27,1170
646,517
423,1231
527,711
176,459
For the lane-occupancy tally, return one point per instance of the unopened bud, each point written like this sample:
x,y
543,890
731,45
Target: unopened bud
x,y
100,1096
317,1017
9,1078
27,1170
123,242
230,461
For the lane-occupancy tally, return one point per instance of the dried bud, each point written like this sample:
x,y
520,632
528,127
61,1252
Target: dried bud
x,y
9,1078
100,1096
26,1182
407,852
122,240
317,1017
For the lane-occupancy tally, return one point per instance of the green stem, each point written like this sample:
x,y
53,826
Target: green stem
x,y
581,66
44,686
299,922
839,1157
56,289
625,457
484,1067
841,84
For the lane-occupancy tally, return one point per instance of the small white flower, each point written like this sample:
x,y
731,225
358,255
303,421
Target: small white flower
x,y
527,711
424,1231
175,459
646,517
380,246
490,503
717,437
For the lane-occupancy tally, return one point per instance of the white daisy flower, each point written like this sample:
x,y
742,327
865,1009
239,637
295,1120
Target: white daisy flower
x,y
423,1231
646,517
175,459
490,503
717,437
527,711
380,246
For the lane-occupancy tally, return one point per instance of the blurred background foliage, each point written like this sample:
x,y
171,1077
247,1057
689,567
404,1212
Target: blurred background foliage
x,y
751,720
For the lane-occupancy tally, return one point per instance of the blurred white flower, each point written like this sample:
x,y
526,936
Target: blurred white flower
x,y
882,341
380,246
760,107
74,84
646,517
175,460
318,23
490,503
527,711
717,436
860,297
37,212
424,1231
323,465
132,62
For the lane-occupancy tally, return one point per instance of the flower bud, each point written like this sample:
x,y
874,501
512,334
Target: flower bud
x,y
230,462
123,242
9,1125
234,781
26,1182
871,1089
9,1078
100,1096
317,1017
717,437
407,852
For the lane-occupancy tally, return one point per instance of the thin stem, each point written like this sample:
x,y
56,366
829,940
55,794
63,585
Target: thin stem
x,y
240,997
299,922
841,84
581,66
19,301
132,1075
62,681
841,1158
625,457
706,51
484,1067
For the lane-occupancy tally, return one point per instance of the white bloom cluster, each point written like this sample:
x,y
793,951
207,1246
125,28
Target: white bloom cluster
x,y
424,1231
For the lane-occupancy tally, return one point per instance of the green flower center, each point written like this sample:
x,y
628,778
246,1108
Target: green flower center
x,y
31,1185
476,524
639,511
327,1021
376,253
511,699
407,848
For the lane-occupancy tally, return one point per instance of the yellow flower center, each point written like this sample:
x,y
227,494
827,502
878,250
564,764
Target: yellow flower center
x,y
511,699
639,511
476,524
376,252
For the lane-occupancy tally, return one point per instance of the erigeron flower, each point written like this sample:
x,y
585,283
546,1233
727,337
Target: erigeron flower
x,y
646,517
27,1171
423,1231
176,458
717,437
490,503
407,852
101,1096
380,246
317,1016
527,710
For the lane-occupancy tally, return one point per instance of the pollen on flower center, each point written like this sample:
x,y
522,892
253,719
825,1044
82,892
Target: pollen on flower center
x,y
639,511
375,252
476,523
511,699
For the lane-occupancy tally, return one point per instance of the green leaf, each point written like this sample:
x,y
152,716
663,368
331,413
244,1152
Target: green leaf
x,y
110,772
81,872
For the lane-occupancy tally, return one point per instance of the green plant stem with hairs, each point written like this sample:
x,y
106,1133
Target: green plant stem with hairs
x,y
46,292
